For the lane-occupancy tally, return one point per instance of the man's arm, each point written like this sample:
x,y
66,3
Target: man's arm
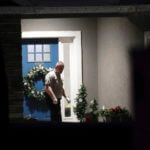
x,y
50,92
64,94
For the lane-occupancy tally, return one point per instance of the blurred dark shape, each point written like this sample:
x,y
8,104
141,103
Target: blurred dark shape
x,y
8,3
141,87
59,3
3,93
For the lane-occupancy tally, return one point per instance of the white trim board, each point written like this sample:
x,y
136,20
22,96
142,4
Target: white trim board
x,y
50,34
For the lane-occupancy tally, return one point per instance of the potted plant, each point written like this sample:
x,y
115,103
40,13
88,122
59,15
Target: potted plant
x,y
93,114
116,114
81,104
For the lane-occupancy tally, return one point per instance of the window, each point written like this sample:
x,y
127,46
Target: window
x,y
39,53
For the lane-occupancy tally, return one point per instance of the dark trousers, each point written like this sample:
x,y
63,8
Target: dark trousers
x,y
55,109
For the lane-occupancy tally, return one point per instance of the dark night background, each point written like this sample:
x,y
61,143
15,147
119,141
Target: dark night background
x,y
71,2
136,134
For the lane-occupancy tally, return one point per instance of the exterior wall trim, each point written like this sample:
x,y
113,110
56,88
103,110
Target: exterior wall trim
x,y
120,9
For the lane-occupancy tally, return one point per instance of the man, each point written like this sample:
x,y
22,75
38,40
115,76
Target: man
x,y
54,91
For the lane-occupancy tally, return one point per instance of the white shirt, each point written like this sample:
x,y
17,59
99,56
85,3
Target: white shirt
x,y
55,82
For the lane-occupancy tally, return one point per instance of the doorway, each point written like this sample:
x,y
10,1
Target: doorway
x,y
69,51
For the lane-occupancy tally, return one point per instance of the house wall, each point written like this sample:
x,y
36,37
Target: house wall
x,y
106,43
10,43
116,39
88,28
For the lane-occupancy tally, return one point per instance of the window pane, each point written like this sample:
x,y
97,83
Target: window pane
x,y
30,48
30,57
46,48
46,57
38,57
38,48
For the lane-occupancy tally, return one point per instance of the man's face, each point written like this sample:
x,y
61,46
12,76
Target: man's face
x,y
59,69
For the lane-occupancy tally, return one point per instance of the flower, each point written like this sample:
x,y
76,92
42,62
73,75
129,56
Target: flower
x,y
80,100
32,92
92,101
115,114
25,83
29,75
118,108
115,109
111,109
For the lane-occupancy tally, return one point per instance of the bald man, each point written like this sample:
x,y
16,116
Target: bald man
x,y
55,91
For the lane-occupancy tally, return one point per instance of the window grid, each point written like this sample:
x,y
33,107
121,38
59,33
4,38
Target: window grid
x,y
38,53
29,53
47,52
42,54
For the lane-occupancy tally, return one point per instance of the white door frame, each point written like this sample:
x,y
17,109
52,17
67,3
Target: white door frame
x,y
75,61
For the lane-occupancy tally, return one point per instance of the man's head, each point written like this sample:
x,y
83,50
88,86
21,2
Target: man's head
x,y
59,67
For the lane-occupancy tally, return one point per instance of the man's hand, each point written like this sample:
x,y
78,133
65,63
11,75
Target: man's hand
x,y
55,101
68,99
